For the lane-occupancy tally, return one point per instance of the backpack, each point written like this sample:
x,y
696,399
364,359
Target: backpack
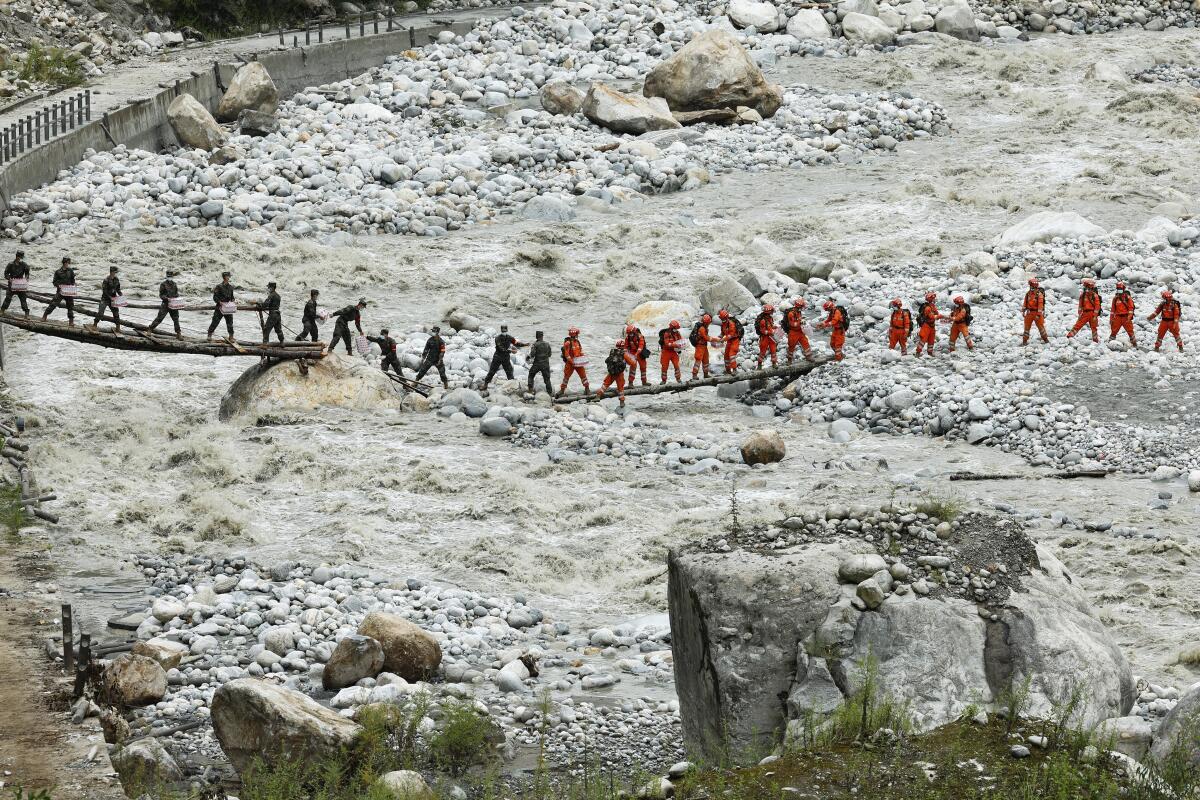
x,y
662,338
921,310
844,325
968,319
739,330
563,351
693,337
615,362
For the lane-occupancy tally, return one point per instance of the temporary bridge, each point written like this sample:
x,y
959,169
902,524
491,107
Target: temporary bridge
x,y
787,372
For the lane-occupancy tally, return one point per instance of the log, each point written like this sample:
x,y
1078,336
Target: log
x,y
789,372
979,476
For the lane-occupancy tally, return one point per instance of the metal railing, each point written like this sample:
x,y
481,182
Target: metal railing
x,y
45,124
368,25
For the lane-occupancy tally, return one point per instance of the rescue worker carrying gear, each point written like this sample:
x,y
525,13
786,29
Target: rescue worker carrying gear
x,y
793,324
700,339
109,291
619,358
900,327
64,291
168,291
1033,309
764,326
539,362
506,345
638,352
927,317
670,344
273,321
341,325
223,296
960,323
310,317
388,345
837,322
1121,312
1171,313
574,361
16,282
732,331
433,355
1089,310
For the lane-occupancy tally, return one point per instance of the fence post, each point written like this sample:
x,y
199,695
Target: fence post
x,y
53,121
389,19
281,41
362,24
347,27
412,36
87,96
68,637
321,34
375,20
85,664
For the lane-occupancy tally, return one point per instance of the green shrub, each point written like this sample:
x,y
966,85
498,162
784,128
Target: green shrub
x,y
463,740
53,65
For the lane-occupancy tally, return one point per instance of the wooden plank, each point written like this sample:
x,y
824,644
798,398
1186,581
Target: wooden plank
x,y
788,372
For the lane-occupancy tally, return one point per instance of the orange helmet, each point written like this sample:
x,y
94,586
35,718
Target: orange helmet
x,y
799,302
1167,294
1089,282
621,343
707,318
930,295
572,331
896,302
723,314
1033,282
630,328
959,299
828,305
769,308
674,323
1120,284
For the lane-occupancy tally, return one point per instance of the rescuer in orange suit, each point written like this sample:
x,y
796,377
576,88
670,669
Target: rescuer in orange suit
x,y
1121,314
574,361
732,331
793,323
1170,312
960,323
635,348
900,327
838,322
1089,310
619,359
764,326
927,317
1034,310
699,339
670,343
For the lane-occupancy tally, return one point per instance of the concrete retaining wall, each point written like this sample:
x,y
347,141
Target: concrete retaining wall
x,y
144,124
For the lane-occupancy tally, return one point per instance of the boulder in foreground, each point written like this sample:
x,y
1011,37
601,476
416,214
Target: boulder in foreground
x,y
713,70
193,125
336,381
626,113
250,90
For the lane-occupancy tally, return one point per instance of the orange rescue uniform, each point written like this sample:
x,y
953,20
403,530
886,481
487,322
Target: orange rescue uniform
x,y
793,323
733,342
764,326
927,317
574,363
1089,313
700,359
1122,316
899,330
960,325
1170,312
672,343
635,346
837,324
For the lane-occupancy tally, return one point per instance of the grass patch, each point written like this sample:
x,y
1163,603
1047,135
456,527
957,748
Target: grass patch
x,y
944,507
53,65
12,514
464,739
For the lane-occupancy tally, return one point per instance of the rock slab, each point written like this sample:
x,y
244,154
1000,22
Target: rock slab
x,y
193,125
711,71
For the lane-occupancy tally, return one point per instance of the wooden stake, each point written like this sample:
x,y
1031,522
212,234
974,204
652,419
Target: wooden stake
x,y
68,637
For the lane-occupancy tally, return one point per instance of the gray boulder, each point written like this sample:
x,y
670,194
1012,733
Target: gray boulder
x,y
134,680
560,97
751,628
145,767
728,294
713,70
763,447
809,23
869,30
627,113
957,20
355,657
1130,735
403,784
548,208
254,720
257,123
408,650
193,125
497,427
1178,737
250,89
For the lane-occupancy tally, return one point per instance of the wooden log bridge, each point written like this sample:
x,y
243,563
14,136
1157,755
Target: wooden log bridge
x,y
140,337
788,372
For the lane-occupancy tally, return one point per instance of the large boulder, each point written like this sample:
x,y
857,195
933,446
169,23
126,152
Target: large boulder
x,y
193,125
750,628
560,97
654,315
713,70
957,20
336,381
250,90
763,447
762,16
403,784
1046,225
145,767
134,680
408,651
627,113
257,123
167,653
1177,739
728,294
809,23
866,29
255,720
355,657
